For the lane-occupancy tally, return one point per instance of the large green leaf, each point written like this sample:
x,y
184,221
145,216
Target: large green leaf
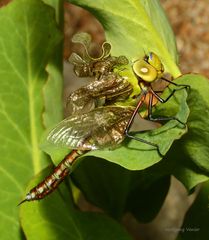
x,y
117,190
162,26
145,200
56,218
197,139
195,224
52,91
28,37
134,27
53,88
191,156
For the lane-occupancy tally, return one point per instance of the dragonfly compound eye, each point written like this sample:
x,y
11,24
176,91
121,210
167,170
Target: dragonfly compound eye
x,y
145,71
155,61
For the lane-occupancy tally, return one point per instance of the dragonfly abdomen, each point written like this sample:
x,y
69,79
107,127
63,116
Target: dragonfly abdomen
x,y
50,183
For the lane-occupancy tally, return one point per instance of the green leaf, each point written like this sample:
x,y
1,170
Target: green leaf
x,y
56,218
193,148
117,190
28,37
104,184
196,142
161,24
186,171
52,91
145,201
195,224
54,86
134,27
58,6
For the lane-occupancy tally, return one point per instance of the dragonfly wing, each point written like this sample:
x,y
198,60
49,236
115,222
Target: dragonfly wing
x,y
106,48
82,38
80,101
75,59
87,97
96,93
100,128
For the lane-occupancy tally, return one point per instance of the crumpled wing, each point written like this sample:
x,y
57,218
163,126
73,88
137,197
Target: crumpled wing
x,y
75,59
96,93
102,127
82,38
80,101
85,39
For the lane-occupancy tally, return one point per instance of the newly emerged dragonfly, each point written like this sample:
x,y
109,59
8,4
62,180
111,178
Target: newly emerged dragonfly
x,y
97,122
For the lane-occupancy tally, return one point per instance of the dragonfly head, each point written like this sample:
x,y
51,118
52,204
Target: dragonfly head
x,y
149,68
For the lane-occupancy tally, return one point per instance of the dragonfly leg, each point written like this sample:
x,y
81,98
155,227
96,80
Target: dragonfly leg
x,y
130,123
184,86
169,96
180,87
144,141
155,119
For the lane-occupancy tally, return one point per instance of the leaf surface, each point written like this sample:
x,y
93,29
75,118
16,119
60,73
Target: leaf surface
x,y
192,151
56,218
117,190
28,37
52,92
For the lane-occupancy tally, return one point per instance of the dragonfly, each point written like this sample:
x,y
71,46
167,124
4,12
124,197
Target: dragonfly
x,y
97,122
